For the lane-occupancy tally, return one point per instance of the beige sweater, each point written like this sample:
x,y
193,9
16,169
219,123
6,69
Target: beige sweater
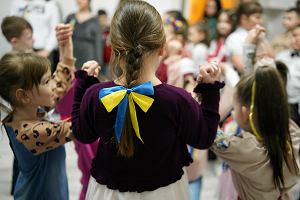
x,y
252,173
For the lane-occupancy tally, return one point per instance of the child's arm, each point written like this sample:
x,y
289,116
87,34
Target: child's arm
x,y
64,74
238,63
198,124
42,136
242,152
254,37
85,78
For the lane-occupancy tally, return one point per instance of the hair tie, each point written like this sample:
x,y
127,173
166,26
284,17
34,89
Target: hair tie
x,y
121,97
256,133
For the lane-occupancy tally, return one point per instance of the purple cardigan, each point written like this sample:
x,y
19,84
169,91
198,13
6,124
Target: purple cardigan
x,y
174,120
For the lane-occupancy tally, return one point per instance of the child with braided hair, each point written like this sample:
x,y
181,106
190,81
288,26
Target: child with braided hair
x,y
144,125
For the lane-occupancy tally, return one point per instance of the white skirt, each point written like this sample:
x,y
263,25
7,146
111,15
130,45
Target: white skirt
x,y
174,191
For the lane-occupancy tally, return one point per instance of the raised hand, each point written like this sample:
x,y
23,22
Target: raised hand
x,y
255,35
91,67
209,73
64,34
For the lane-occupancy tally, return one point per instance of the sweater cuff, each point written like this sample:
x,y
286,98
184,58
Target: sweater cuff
x,y
82,75
207,87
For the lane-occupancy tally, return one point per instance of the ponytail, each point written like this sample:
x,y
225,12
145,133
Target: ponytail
x,y
265,93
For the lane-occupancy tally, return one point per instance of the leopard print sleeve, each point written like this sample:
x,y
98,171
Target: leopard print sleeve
x,y
62,78
42,136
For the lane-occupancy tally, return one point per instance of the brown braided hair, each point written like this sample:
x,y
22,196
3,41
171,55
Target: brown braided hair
x,y
136,30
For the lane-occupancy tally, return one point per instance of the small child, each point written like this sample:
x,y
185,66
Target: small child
x,y
198,38
291,19
211,14
18,32
248,16
263,157
28,86
104,25
217,51
143,154
291,57
181,70
225,25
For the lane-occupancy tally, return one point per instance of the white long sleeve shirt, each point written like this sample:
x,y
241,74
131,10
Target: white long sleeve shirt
x,y
293,81
43,16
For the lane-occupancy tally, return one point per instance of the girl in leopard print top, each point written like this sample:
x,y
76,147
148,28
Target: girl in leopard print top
x,y
27,85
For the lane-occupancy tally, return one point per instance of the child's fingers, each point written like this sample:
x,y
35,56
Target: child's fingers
x,y
199,79
90,67
211,70
218,74
58,26
259,31
64,32
97,71
64,37
260,28
88,64
62,26
204,72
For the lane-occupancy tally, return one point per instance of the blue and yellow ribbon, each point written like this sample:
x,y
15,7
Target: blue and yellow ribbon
x,y
121,96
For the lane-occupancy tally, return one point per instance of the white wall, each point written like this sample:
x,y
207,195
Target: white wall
x,y
273,12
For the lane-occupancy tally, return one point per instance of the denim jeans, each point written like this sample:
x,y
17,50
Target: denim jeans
x,y
195,188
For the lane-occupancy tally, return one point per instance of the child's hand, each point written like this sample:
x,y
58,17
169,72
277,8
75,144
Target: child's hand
x,y
64,37
255,35
91,67
63,33
209,73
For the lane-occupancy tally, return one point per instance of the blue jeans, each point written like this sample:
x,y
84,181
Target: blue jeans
x,y
195,188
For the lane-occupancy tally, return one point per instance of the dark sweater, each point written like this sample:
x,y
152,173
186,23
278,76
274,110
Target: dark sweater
x,y
174,120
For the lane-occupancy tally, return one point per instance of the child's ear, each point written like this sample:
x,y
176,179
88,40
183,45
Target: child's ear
x,y
243,19
245,114
22,96
162,50
13,40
